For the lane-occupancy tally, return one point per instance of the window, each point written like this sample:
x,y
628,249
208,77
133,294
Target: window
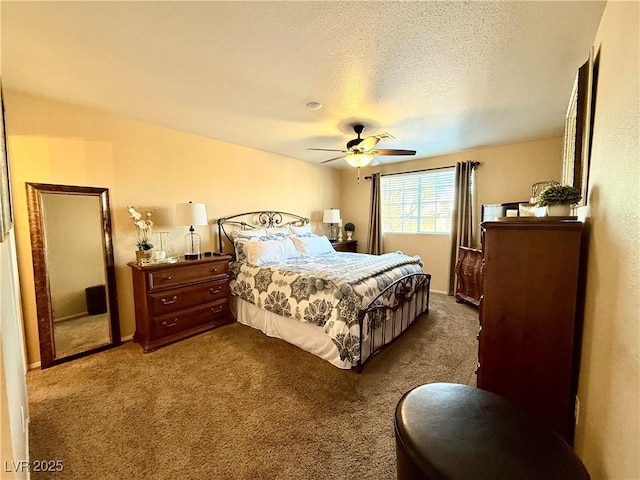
x,y
420,202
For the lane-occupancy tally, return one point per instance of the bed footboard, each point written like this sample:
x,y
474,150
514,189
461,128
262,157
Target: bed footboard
x,y
391,313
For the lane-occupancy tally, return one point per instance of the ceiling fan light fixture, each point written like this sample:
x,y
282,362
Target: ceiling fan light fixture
x,y
359,160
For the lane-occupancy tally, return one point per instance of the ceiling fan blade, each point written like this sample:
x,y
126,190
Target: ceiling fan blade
x,y
367,144
392,151
332,159
326,149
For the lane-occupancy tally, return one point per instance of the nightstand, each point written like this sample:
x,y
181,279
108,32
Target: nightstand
x,y
177,300
346,246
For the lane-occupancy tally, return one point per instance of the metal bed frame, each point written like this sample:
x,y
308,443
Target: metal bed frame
x,y
384,320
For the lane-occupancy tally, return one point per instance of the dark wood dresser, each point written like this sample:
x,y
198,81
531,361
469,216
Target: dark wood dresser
x,y
529,341
346,246
469,275
176,300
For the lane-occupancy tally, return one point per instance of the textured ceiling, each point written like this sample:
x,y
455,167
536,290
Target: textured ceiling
x,y
439,76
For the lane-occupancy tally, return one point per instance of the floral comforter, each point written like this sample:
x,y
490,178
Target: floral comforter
x,y
327,290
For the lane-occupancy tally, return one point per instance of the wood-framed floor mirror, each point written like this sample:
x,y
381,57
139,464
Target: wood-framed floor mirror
x,y
74,271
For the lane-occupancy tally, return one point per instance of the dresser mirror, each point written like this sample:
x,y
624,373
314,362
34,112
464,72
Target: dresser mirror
x,y
73,270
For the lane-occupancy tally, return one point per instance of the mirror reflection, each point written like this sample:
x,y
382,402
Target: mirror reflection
x,y
77,276
73,268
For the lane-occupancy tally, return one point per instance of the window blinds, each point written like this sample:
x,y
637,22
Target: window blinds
x,y
419,202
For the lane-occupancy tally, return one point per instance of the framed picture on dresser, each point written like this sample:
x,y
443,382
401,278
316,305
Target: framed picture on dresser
x,y
6,218
579,128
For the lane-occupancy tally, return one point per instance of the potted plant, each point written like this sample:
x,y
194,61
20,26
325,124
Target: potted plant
x,y
559,199
144,229
349,228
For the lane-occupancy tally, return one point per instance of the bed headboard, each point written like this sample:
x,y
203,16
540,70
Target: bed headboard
x,y
253,220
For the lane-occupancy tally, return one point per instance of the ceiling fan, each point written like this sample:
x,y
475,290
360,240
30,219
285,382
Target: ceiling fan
x,y
360,151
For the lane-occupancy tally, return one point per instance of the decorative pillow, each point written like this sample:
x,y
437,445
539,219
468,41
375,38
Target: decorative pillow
x,y
238,246
304,230
261,252
256,232
310,246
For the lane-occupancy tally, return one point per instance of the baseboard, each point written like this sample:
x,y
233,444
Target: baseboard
x,y
127,338
438,291
70,317
33,366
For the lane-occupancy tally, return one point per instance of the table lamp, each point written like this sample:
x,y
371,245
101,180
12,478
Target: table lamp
x,y
191,214
332,217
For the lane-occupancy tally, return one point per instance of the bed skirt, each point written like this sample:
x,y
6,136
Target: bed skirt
x,y
311,338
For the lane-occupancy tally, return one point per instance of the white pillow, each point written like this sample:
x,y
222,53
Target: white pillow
x,y
262,252
304,230
256,232
279,231
312,245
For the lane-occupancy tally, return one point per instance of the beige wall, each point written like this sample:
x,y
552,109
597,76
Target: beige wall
x,y
7,455
14,406
506,174
608,433
150,167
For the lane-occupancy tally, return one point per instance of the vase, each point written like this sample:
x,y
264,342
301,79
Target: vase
x,y
558,210
349,235
144,257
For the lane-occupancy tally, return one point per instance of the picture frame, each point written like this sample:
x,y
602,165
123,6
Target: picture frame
x,y
579,129
6,215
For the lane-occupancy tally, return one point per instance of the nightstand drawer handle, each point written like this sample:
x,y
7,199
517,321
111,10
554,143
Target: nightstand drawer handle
x,y
175,322
168,277
214,270
215,290
477,368
217,309
169,302
478,336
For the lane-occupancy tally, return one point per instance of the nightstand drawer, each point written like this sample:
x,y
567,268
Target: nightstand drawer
x,y
196,273
179,298
166,325
346,246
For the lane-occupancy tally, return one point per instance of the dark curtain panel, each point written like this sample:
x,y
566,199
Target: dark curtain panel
x,y
374,240
462,219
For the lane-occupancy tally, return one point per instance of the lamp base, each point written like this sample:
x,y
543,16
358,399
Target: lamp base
x,y
192,245
332,232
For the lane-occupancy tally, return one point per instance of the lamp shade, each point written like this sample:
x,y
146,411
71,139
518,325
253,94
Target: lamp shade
x,y
331,216
358,159
191,214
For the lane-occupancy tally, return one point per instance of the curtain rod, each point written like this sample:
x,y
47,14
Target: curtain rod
x,y
473,165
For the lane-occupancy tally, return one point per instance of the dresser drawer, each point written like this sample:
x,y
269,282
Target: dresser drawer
x,y
166,325
180,298
196,273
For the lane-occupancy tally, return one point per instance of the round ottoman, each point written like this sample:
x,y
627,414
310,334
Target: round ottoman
x,y
457,432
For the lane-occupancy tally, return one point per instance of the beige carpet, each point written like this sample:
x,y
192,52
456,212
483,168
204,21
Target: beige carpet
x,y
235,404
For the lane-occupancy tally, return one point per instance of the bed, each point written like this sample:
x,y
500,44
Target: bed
x,y
291,284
